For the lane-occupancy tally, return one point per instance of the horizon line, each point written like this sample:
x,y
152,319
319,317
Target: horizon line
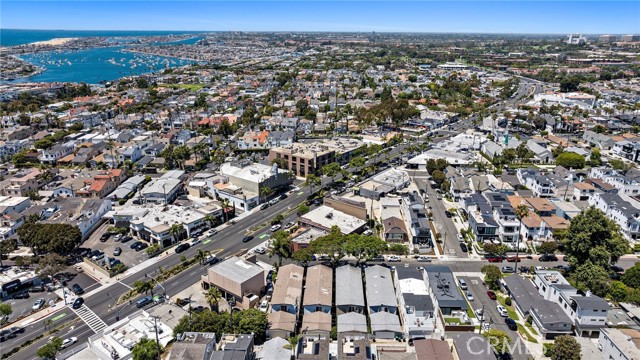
x,y
331,31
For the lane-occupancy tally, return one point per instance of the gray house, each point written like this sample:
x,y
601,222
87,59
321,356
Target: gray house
x,y
444,291
548,317
349,292
382,303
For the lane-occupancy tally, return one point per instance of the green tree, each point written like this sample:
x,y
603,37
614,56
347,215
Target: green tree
x,y
302,209
361,246
509,155
265,192
280,246
200,256
176,230
570,160
213,296
498,339
331,169
142,286
548,247
6,247
47,238
50,349
592,277
492,276
5,310
357,162
50,264
303,256
595,159
250,321
594,238
565,348
312,181
145,349
631,277
618,291
331,244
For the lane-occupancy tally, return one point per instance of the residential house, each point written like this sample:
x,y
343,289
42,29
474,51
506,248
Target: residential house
x,y
417,310
21,184
237,279
602,141
163,190
508,224
194,346
433,349
622,211
286,301
85,213
444,290
235,347
588,312
472,346
481,221
382,304
620,344
547,317
52,154
350,301
318,301
583,191
540,152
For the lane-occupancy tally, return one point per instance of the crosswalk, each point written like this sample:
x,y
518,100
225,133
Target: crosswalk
x,y
90,318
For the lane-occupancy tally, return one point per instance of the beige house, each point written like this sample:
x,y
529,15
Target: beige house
x,y
238,279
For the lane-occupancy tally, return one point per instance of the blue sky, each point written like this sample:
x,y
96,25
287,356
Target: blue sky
x,y
383,16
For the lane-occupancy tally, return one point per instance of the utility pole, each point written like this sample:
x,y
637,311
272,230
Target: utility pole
x,y
155,324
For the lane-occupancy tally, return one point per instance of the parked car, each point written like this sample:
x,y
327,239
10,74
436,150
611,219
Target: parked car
x,y
511,324
460,237
38,304
104,237
275,227
182,247
617,269
135,244
195,242
548,257
283,196
469,296
491,295
143,302
289,225
524,269
141,246
274,201
260,250
126,239
448,213
494,259
480,314
502,311
117,237
77,289
424,259
463,247
264,206
247,238
68,342
117,251
211,232
463,284
486,326
514,259
507,269
21,295
264,306
393,258
36,288
376,258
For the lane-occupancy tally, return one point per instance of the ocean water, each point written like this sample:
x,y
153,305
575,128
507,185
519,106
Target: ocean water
x,y
12,37
93,65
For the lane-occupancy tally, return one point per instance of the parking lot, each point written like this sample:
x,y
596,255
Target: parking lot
x,y
128,257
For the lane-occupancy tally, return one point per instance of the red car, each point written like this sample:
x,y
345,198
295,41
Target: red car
x,y
495,259
491,295
514,258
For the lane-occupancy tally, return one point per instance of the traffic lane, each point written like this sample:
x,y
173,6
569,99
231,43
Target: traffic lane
x,y
35,328
80,331
492,316
448,231
85,281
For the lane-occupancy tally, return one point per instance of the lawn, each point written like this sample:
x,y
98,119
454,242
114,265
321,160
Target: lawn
x,y
531,329
452,320
512,313
525,333
190,87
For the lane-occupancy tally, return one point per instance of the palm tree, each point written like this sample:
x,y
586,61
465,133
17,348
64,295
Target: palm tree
x,y
142,286
225,206
200,256
522,211
213,296
280,246
265,192
312,181
210,219
175,231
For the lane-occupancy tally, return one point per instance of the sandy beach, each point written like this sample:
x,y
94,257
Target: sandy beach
x,y
54,42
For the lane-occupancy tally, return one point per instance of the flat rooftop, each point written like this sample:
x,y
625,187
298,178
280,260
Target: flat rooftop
x,y
326,217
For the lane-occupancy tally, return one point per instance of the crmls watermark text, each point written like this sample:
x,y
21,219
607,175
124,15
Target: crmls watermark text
x,y
479,345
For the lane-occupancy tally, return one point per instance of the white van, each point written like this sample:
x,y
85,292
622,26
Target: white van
x,y
463,284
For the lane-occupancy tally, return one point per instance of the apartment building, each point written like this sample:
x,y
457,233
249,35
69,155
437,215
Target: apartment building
x,y
304,159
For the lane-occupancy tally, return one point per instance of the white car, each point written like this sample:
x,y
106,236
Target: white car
x,y
260,250
196,242
480,314
274,201
460,238
275,227
38,304
211,232
469,296
424,259
486,326
393,258
68,342
502,311
289,225
264,306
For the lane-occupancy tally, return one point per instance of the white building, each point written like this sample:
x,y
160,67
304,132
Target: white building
x,y
620,344
589,313
621,210
164,189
